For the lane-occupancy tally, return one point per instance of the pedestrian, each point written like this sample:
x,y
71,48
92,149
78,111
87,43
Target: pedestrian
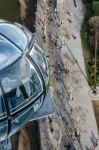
x,y
94,146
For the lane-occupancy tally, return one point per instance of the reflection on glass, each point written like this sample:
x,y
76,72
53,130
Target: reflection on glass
x,y
21,120
19,88
37,54
3,130
38,103
15,34
7,51
23,80
2,108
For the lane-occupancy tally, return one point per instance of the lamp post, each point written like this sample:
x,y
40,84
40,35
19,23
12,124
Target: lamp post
x,y
95,65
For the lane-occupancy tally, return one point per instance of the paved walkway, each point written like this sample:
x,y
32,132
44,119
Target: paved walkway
x,y
63,41
72,17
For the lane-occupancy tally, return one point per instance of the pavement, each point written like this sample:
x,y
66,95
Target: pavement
x,y
69,88
82,97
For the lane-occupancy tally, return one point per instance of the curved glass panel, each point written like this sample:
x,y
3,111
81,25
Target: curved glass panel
x,y
2,39
23,118
27,32
20,120
37,54
22,89
15,34
21,85
3,130
38,103
8,51
2,106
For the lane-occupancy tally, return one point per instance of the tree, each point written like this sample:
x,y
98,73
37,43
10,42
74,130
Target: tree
x,y
87,1
94,24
